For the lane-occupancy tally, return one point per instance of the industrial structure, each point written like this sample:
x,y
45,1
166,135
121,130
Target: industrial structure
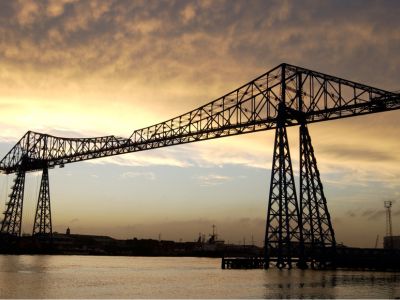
x,y
298,227
390,241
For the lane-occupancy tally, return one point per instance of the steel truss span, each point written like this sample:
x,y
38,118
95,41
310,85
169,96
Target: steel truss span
x,y
296,231
309,97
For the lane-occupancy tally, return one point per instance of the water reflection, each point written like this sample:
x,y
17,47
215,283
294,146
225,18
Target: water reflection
x,y
24,275
331,284
300,284
178,277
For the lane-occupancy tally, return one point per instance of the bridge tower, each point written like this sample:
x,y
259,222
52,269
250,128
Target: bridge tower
x,y
13,215
318,234
283,232
300,230
297,230
42,224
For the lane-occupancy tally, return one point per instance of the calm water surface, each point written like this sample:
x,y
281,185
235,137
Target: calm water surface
x,y
164,277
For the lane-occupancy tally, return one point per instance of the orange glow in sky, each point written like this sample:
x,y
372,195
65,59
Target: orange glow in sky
x,y
90,68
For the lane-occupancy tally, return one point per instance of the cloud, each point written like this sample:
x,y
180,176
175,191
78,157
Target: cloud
x,y
146,175
188,13
377,215
117,39
144,159
367,213
374,214
246,151
351,213
28,12
249,151
342,175
355,152
212,179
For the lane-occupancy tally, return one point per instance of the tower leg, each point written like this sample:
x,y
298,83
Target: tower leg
x,y
283,235
42,224
13,215
318,234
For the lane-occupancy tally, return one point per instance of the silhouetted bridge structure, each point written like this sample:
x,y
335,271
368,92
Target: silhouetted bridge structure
x,y
344,258
298,228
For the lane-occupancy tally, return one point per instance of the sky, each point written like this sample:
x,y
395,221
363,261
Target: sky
x,y
92,68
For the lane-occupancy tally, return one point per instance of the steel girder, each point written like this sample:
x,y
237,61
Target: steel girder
x,y
250,108
42,225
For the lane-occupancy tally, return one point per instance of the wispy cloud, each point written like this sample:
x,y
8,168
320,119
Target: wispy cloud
x,y
140,159
377,215
212,179
74,220
351,213
355,152
146,175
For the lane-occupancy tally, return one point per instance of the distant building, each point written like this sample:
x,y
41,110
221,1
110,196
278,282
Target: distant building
x,y
391,242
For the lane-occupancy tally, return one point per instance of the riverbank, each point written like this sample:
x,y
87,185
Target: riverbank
x,y
79,244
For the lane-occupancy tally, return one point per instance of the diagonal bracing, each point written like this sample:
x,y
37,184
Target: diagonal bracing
x,y
318,233
283,234
42,224
13,215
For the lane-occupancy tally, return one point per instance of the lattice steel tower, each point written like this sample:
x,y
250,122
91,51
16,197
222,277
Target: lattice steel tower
x,y
13,215
388,206
42,224
389,232
283,228
318,233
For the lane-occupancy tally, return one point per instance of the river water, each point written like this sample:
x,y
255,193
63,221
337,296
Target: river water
x,y
42,276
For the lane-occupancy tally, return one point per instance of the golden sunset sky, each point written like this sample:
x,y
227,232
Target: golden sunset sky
x,y
91,68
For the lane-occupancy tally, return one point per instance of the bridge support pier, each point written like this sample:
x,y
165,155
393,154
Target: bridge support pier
x,y
283,235
42,224
13,215
318,234
297,231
